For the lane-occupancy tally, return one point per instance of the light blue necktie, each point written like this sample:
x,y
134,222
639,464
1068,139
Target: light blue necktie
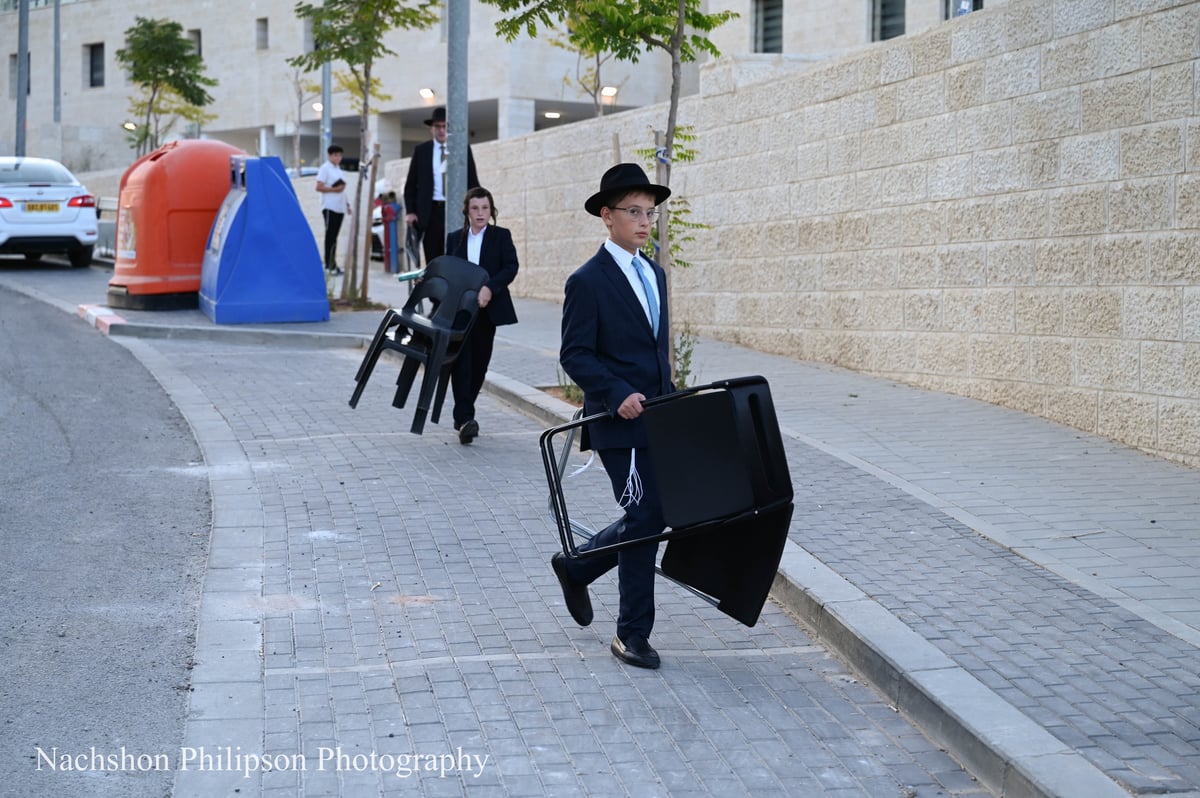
x,y
649,292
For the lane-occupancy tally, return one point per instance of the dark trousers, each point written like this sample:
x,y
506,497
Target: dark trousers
x,y
635,565
333,226
434,235
470,368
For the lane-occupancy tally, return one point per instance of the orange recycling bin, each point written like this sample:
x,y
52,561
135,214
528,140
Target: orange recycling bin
x,y
167,205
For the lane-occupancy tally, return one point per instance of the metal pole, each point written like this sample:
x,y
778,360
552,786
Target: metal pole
x,y
57,64
458,134
22,74
326,109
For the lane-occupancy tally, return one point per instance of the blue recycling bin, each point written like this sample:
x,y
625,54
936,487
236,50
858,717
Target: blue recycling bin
x,y
261,262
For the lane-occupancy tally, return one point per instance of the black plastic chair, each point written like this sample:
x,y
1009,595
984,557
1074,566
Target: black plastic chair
x,y
433,339
724,485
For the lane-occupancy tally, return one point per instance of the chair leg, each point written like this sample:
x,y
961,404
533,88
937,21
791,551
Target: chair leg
x,y
375,344
404,381
365,368
443,383
362,382
433,372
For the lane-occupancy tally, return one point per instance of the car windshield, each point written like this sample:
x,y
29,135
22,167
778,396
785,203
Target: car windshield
x,y
34,172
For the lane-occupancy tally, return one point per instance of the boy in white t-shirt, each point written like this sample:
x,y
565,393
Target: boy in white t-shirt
x,y
331,185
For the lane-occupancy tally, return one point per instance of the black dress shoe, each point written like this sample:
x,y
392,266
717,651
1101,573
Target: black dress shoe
x,y
636,651
468,431
579,604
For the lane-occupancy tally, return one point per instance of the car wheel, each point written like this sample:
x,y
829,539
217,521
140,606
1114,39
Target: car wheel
x,y
82,257
33,257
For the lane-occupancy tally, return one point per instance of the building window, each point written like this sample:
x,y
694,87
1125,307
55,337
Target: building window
x,y
93,61
262,33
768,26
888,20
956,8
197,44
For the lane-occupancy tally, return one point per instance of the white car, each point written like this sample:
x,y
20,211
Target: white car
x,y
44,209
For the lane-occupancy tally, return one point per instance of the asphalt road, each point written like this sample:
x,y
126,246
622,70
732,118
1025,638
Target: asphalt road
x,y
104,516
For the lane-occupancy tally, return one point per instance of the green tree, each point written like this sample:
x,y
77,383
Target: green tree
x,y
353,31
305,91
627,29
587,79
169,74
169,108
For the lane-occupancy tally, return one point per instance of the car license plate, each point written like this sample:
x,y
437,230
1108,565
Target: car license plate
x,y
41,207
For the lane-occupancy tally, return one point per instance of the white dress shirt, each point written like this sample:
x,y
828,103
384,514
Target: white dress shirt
x,y
439,172
624,260
474,244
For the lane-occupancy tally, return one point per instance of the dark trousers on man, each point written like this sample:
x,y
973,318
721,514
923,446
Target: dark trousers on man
x,y
635,565
333,226
470,367
434,234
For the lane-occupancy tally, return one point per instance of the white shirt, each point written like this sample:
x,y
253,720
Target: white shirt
x,y
332,200
625,262
439,171
474,244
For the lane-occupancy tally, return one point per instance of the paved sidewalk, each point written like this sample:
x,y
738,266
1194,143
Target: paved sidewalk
x,y
1027,593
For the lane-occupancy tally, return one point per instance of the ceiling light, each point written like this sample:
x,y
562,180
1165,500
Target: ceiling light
x,y
426,94
553,115
608,91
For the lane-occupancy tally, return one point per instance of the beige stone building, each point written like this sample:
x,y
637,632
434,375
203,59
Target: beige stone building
x,y
516,88
1004,205
245,45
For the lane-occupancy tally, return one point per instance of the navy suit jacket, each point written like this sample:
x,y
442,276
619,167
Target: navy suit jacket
x,y
610,350
418,186
499,257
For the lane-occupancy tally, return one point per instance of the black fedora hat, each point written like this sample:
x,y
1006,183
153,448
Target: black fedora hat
x,y
439,115
622,179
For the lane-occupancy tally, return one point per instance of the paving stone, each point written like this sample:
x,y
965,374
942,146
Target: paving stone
x,y
338,498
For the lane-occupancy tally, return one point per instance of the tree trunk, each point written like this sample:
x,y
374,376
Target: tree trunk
x,y
350,282
366,272
663,164
296,138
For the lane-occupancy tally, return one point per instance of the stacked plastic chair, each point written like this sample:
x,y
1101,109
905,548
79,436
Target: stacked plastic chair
x,y
431,339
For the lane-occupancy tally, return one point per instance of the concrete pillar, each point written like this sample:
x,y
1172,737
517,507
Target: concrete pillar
x,y
390,137
515,117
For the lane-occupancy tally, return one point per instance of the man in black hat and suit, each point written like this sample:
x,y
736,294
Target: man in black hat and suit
x,y
615,347
425,187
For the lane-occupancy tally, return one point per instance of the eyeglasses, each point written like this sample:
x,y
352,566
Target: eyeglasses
x,y
637,214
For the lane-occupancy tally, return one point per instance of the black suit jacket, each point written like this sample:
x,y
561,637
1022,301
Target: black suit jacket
x,y
418,186
610,350
499,257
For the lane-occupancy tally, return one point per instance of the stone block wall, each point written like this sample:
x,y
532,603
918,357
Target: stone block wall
x,y
1006,207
